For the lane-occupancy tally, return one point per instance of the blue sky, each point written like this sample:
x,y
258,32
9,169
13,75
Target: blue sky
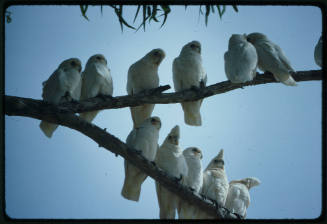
x,y
272,132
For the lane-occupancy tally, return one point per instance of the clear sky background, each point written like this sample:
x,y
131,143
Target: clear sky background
x,y
272,131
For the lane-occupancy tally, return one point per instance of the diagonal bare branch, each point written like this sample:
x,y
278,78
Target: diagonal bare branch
x,y
19,107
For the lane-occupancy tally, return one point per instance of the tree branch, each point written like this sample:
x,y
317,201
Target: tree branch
x,y
18,107
155,96
63,114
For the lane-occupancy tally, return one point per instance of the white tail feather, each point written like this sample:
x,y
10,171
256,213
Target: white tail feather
x,y
192,114
131,189
48,128
89,116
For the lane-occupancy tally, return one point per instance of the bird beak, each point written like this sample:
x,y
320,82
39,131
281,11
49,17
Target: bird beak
x,y
154,122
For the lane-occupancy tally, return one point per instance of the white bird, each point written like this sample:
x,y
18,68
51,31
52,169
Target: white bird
x,y
238,198
215,183
188,72
62,85
170,158
193,180
96,81
143,75
318,53
241,59
272,58
145,139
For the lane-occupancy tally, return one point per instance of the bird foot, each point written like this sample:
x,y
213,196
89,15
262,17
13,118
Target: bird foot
x,y
202,85
103,96
179,179
191,189
195,88
67,97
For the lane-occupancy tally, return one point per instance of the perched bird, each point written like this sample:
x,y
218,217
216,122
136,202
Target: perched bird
x,y
193,180
189,73
62,86
215,183
96,81
241,59
272,58
318,53
145,139
170,158
143,75
238,197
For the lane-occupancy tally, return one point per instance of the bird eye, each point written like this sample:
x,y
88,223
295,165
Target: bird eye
x,y
153,120
73,63
156,53
219,161
194,150
98,58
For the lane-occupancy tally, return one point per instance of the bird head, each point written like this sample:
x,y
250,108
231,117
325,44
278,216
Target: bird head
x,y
156,56
254,37
236,39
193,152
97,58
193,46
218,161
155,121
249,182
71,63
173,136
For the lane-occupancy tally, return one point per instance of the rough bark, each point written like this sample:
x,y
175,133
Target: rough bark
x,y
64,115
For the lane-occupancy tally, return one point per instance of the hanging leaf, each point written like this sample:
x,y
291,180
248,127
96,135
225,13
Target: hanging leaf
x,y
144,17
166,10
154,13
148,8
224,9
119,13
83,10
207,14
235,8
200,10
212,8
137,12
221,11
8,16
101,10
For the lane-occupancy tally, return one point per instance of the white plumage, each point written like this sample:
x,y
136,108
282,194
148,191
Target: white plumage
x,y
318,53
96,80
238,198
187,72
241,59
215,183
170,158
272,58
194,180
62,85
145,139
143,75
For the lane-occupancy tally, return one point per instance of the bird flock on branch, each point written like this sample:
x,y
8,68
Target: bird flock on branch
x,y
245,54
